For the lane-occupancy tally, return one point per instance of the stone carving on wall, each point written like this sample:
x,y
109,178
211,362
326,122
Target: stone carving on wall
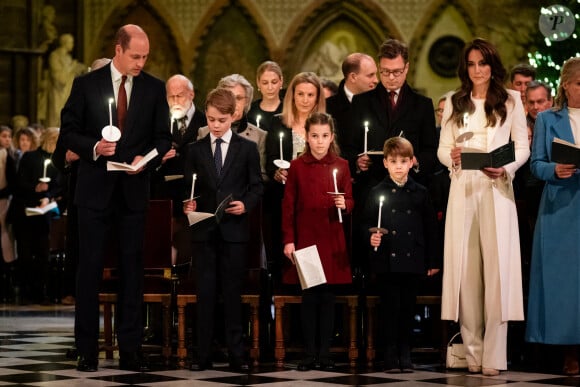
x,y
62,70
326,62
223,52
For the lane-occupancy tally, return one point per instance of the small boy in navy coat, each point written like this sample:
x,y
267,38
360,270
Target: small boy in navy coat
x,y
405,253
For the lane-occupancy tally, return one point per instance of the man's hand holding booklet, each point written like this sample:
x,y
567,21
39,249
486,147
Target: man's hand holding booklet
x,y
115,166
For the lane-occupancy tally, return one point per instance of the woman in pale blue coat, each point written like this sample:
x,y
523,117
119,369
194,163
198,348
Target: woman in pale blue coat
x,y
554,301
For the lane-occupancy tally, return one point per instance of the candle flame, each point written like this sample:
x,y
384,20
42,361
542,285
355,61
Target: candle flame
x,y
366,125
47,161
281,134
381,199
111,100
194,176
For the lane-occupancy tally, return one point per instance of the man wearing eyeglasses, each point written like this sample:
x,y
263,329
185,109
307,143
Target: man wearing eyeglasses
x,y
392,109
389,110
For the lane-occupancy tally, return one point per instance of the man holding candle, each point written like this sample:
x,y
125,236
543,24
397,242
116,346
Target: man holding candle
x,y
392,109
114,198
223,163
407,251
185,120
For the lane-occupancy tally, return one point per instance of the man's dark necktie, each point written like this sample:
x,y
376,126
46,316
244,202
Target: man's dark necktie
x,y
122,104
392,96
217,155
182,124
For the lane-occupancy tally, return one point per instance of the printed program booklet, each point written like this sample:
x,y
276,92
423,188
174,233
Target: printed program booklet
x,y
309,267
565,152
499,157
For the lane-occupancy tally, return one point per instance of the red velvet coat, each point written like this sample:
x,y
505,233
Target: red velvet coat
x,y
309,215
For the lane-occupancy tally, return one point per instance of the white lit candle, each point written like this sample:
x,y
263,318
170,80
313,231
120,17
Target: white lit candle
x,y
381,200
111,100
258,120
194,177
366,135
334,172
46,162
171,122
281,153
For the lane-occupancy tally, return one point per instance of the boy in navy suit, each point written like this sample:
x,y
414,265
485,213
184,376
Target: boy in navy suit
x,y
405,253
224,164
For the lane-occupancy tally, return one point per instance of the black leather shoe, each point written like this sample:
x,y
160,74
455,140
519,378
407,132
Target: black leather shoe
x,y
239,365
133,361
201,366
87,364
327,365
306,364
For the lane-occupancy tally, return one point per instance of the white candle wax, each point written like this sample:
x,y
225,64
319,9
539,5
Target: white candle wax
x,y
281,154
334,172
194,177
46,162
366,135
381,199
111,100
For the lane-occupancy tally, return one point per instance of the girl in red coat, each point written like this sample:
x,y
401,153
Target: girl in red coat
x,y
310,217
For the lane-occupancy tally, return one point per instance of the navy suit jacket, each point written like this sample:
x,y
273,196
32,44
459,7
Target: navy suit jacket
x,y
84,115
339,107
414,116
240,176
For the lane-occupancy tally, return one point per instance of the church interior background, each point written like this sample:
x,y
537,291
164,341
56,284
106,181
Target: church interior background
x,y
208,39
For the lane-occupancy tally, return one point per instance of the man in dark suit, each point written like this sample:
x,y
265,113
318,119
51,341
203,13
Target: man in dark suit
x,y
392,109
360,75
166,182
106,198
224,163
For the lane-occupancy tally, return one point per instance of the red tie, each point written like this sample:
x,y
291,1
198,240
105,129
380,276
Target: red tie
x,y
122,104
392,95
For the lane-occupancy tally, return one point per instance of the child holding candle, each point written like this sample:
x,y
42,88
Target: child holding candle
x,y
309,217
407,251
304,96
220,164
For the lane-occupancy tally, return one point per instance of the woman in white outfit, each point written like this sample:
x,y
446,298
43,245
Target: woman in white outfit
x,y
482,278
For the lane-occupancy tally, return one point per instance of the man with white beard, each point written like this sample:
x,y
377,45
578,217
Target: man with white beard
x,y
166,183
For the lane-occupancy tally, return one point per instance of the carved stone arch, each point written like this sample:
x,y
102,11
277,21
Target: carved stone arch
x,y
163,59
430,17
367,24
229,43
262,28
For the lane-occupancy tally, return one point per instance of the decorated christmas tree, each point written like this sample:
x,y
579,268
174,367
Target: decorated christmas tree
x,y
557,40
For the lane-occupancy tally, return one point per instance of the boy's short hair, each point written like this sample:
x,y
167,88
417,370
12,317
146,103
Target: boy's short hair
x,y
398,146
222,99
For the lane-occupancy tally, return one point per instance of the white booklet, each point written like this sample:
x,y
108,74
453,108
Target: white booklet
x,y
309,267
33,211
196,217
115,166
